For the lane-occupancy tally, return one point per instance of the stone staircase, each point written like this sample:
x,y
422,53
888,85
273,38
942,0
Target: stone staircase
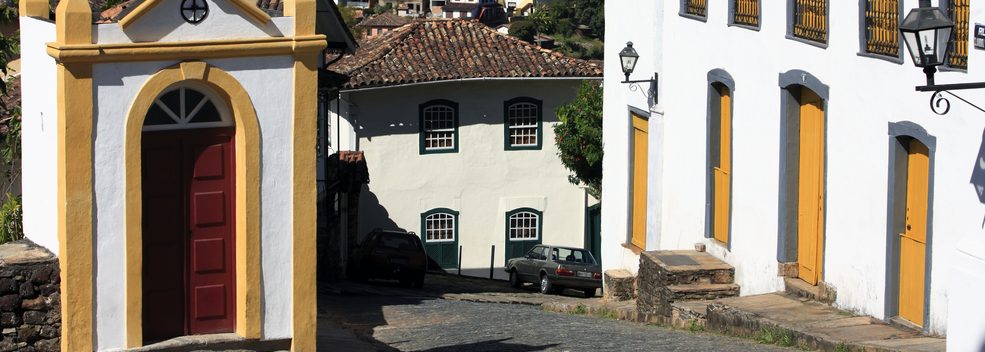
x,y
677,285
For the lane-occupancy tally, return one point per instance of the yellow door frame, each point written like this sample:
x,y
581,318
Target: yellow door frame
x,y
639,179
913,240
810,219
723,172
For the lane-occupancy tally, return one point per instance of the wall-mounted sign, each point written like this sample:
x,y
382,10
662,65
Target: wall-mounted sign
x,y
979,36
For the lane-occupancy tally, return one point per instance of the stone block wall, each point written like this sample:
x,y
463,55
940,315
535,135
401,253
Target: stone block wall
x,y
30,301
652,295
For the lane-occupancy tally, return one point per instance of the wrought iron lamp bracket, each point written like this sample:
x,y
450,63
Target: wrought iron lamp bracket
x,y
650,94
939,103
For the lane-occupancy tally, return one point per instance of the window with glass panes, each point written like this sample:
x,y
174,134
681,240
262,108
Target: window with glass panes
x,y
439,227
524,226
439,127
523,124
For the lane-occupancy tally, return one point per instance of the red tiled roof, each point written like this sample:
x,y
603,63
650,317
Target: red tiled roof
x,y
385,19
439,50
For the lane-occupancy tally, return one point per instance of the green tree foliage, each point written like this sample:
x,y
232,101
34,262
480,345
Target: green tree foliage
x,y
525,30
590,13
579,137
11,219
11,214
349,17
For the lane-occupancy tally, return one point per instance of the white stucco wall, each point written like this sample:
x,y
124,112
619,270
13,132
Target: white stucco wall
x,y
164,24
482,181
270,89
865,95
39,137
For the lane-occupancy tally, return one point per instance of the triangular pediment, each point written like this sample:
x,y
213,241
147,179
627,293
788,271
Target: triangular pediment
x,y
190,20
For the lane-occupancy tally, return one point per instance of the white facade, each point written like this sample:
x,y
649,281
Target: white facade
x,y
39,133
865,95
482,181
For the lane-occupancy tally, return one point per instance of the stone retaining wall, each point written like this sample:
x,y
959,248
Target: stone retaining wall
x,y
30,301
652,295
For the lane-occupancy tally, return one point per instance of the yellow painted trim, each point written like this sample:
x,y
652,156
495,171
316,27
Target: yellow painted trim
x,y
198,50
33,8
74,23
305,257
75,203
305,293
138,12
304,12
248,299
251,9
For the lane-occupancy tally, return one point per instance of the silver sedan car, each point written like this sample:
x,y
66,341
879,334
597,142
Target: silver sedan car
x,y
556,268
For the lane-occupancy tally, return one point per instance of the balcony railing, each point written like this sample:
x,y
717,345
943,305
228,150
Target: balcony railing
x,y
697,8
957,47
746,12
810,20
881,27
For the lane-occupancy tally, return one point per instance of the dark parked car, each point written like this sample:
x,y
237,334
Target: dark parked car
x,y
389,254
556,268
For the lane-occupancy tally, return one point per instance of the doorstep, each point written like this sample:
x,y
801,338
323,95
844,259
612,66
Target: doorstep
x,y
813,325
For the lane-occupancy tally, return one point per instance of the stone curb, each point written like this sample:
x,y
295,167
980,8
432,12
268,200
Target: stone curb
x,y
730,321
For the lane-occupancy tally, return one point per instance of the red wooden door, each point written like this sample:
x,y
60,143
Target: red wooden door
x,y
189,244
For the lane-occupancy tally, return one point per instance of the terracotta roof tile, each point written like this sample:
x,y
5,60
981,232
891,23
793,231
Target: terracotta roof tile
x,y
439,50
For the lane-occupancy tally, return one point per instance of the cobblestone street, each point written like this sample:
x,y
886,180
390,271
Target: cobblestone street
x,y
385,317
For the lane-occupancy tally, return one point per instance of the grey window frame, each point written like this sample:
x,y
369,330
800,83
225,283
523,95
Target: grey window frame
x,y
862,40
731,16
791,6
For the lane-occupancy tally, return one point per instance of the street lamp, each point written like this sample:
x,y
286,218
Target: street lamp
x,y
628,58
926,31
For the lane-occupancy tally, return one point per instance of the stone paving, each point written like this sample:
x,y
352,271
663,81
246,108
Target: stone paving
x,y
452,315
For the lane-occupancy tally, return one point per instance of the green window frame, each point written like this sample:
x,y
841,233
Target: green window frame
x,y
438,126
523,120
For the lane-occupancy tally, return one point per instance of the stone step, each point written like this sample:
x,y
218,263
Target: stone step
x,y
799,288
684,267
693,292
619,285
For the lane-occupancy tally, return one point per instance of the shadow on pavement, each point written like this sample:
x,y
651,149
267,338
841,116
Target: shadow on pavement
x,y
348,312
492,345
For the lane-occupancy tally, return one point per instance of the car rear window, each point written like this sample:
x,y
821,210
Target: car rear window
x,y
398,241
574,256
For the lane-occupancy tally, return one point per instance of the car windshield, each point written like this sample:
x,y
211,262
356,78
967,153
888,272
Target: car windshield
x,y
398,241
572,256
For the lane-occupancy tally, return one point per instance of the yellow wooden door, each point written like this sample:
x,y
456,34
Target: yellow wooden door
x,y
723,172
640,148
810,208
913,241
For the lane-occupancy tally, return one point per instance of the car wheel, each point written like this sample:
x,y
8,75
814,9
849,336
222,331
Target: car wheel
x,y
546,287
589,292
515,279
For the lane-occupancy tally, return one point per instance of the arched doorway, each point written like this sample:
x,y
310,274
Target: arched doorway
x,y
810,193
188,223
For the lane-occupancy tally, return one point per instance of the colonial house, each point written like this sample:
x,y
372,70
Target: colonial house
x,y
169,162
378,24
787,138
455,122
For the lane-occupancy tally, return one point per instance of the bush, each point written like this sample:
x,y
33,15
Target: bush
x,y
565,27
524,30
579,137
11,219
